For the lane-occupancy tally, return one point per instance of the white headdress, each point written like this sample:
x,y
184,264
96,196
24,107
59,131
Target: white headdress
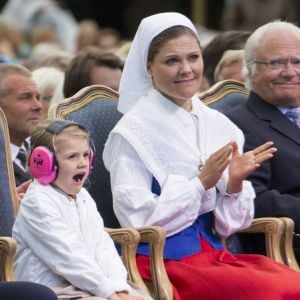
x,y
135,80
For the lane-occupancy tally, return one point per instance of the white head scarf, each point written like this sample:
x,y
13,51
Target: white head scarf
x,y
135,80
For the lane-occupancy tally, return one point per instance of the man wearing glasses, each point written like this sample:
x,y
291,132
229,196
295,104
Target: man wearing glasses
x,y
272,112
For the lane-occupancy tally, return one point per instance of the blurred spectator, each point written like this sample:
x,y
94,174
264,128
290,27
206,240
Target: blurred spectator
x,y
6,49
87,34
43,51
12,43
248,15
19,99
214,50
123,50
3,58
230,66
48,80
59,60
92,66
33,13
109,38
205,34
42,34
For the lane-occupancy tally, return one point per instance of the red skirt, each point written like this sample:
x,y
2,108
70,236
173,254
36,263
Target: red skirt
x,y
220,275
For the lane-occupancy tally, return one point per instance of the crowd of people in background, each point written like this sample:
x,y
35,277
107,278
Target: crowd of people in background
x,y
185,185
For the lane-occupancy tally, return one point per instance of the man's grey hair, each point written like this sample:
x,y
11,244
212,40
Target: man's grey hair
x,y
8,69
254,41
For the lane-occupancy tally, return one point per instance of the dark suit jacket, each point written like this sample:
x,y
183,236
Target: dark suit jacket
x,y
20,175
276,181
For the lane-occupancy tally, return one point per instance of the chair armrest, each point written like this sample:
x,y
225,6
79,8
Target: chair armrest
x,y
156,236
273,229
8,248
129,239
287,244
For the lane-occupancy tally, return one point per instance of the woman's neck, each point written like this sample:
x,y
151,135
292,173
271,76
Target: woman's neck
x,y
186,104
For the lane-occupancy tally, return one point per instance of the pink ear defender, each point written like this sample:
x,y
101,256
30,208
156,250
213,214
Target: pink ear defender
x,y
91,160
42,163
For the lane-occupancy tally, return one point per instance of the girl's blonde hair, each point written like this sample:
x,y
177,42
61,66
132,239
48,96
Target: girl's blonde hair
x,y
44,137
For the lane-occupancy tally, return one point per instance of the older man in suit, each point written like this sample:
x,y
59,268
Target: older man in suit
x,y
272,112
19,99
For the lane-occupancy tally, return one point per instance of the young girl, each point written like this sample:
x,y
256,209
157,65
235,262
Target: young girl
x,y
60,235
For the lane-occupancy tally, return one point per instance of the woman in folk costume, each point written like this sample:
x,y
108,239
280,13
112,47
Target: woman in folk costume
x,y
178,164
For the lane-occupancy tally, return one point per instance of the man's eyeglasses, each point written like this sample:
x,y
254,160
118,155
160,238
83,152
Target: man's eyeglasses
x,y
280,64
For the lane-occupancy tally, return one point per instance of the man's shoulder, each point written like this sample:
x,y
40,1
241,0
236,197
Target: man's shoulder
x,y
238,112
20,175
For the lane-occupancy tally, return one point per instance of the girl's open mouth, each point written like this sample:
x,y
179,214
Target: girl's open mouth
x,y
78,177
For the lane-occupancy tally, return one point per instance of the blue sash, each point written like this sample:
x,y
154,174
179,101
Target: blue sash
x,y
186,242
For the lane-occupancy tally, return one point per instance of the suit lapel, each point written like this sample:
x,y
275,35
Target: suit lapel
x,y
18,170
271,114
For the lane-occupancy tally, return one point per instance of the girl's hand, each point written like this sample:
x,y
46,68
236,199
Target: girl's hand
x,y
124,296
114,296
242,165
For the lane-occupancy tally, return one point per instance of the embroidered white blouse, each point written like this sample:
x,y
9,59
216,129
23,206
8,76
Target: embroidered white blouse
x,y
158,138
61,240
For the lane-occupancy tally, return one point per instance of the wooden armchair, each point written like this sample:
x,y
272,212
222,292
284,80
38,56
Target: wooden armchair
x,y
95,107
8,204
128,238
287,242
7,251
273,229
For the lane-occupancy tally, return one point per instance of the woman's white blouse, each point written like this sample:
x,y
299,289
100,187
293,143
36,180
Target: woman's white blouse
x,y
182,199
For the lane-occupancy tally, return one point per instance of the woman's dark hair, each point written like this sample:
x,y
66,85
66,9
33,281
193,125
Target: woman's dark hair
x,y
214,50
167,35
78,72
